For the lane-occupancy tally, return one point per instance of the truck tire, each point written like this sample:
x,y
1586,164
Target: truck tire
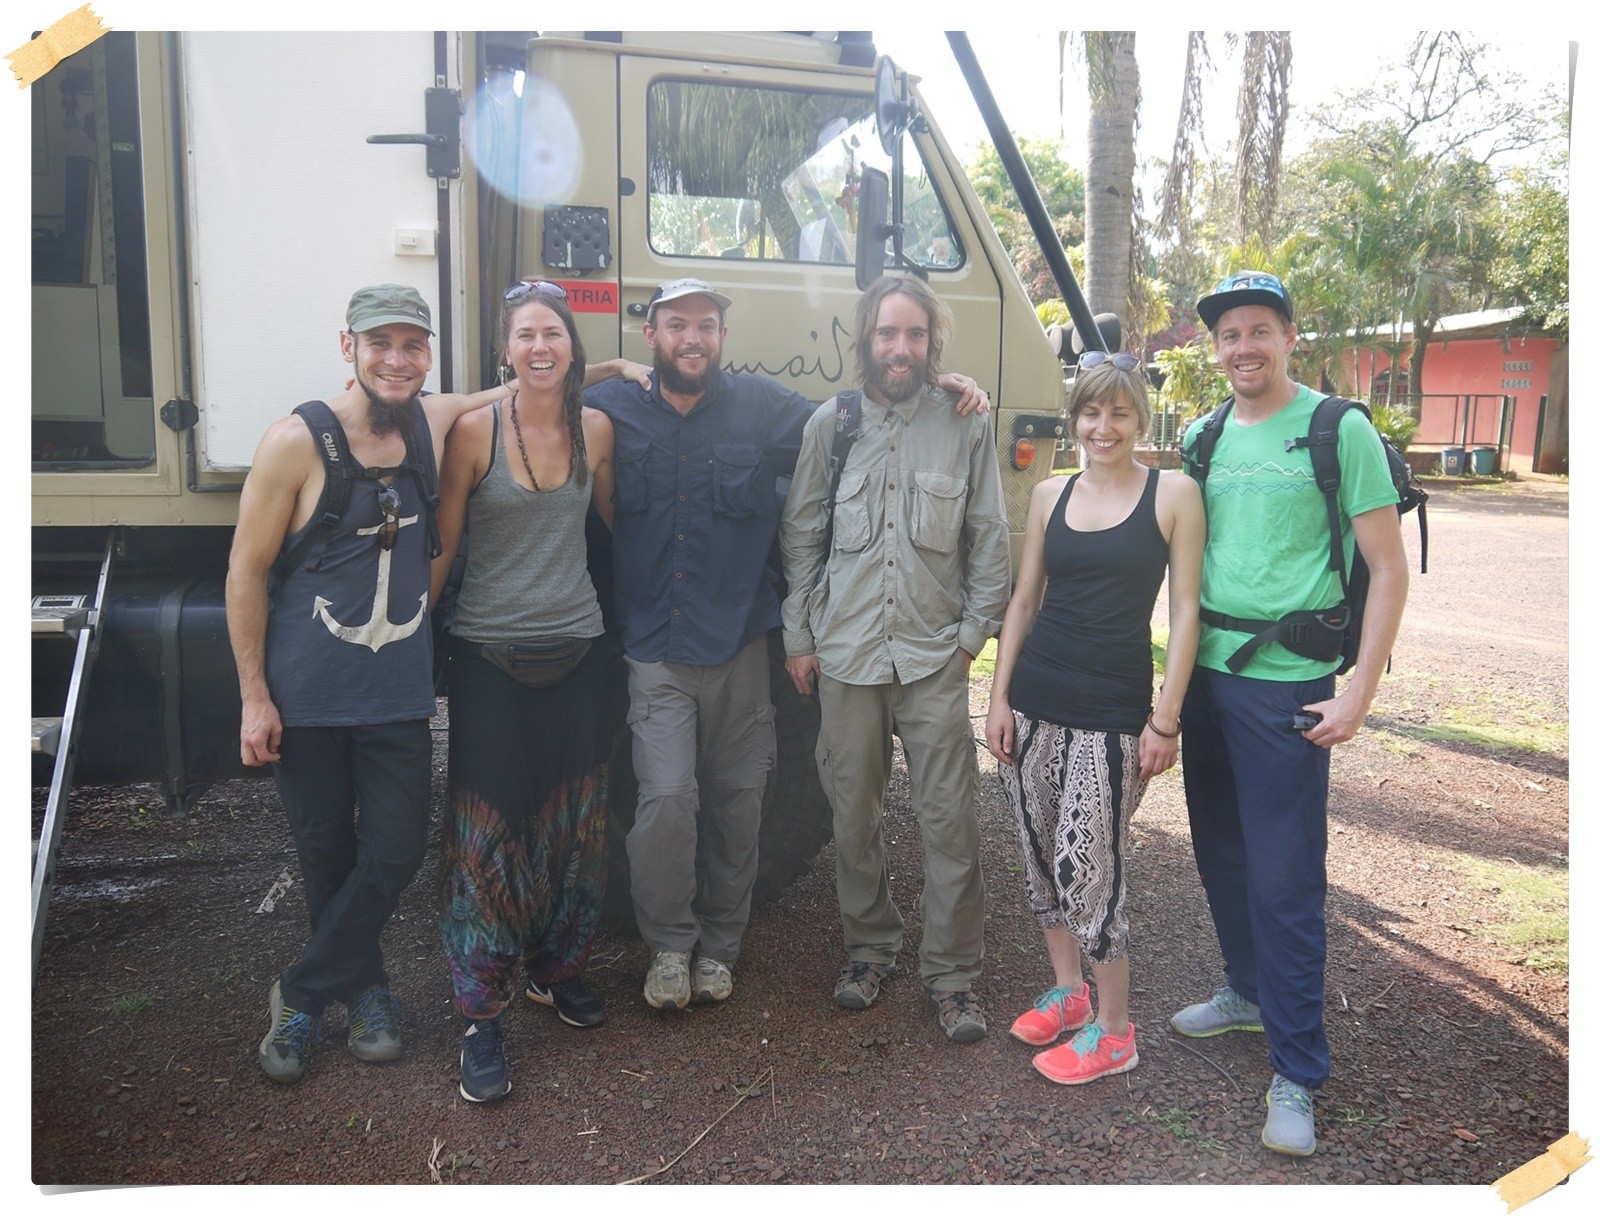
x,y
796,820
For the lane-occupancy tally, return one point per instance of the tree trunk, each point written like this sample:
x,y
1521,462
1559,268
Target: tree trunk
x,y
1108,188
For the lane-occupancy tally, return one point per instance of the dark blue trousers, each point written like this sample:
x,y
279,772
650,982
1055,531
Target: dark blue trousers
x,y
357,802
1258,815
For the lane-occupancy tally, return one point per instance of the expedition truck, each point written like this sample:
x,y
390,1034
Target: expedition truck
x,y
204,203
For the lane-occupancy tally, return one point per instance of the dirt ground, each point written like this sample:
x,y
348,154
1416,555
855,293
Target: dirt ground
x,y
1449,1039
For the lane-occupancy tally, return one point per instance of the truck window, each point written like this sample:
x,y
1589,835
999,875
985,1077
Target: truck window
x,y
92,395
744,172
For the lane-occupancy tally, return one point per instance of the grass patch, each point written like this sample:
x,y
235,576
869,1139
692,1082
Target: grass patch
x,y
983,665
1534,899
1392,741
1500,724
130,1003
1158,649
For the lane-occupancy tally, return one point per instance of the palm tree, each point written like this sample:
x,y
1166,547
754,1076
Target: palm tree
x,y
1109,198
1263,115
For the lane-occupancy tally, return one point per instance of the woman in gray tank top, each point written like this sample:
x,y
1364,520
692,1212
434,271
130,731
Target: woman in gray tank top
x,y
523,862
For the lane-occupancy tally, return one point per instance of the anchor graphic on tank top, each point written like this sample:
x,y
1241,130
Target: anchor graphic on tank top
x,y
378,630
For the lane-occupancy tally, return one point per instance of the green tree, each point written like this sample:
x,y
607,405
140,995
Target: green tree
x,y
1532,266
1061,188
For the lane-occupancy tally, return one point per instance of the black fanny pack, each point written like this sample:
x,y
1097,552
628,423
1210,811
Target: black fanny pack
x,y
1312,634
536,664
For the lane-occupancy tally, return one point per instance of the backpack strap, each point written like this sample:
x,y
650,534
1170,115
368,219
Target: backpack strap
x,y
1322,440
337,471
1197,455
422,466
846,426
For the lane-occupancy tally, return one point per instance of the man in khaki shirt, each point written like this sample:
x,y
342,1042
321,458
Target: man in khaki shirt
x,y
913,583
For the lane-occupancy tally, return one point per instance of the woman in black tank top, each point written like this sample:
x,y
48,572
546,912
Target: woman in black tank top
x,y
1070,717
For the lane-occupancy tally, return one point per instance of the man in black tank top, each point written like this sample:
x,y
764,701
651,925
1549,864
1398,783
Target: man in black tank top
x,y
334,653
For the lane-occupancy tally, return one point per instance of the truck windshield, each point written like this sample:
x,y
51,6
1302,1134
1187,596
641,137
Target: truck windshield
x,y
746,172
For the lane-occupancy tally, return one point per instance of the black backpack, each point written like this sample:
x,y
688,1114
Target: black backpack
x,y
1328,633
339,470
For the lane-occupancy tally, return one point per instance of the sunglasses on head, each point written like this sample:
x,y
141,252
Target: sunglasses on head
x,y
1249,282
1121,360
535,287
389,529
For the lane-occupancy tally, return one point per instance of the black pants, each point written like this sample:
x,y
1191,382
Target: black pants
x,y
357,801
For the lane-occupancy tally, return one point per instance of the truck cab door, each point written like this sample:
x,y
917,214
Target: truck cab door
x,y
746,175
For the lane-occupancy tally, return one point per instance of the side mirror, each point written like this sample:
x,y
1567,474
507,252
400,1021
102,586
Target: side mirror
x,y
872,226
893,111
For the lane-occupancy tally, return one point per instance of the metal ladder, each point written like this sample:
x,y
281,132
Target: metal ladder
x,y
59,619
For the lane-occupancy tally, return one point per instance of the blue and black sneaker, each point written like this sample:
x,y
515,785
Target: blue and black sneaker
x,y
374,1021
286,1050
483,1062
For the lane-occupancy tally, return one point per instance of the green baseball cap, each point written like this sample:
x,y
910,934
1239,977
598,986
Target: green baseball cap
x,y
387,304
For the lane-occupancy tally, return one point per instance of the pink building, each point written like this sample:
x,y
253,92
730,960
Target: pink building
x,y
1490,380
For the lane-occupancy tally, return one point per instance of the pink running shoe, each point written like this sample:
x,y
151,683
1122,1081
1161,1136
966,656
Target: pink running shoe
x,y
1091,1053
1053,1014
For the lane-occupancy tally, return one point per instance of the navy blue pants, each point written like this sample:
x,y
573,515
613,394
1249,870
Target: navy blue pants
x,y
357,802
1258,815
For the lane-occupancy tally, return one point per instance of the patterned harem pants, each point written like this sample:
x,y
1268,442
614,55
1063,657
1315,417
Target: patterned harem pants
x,y
1073,793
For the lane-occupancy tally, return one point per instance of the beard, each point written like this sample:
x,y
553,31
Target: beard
x,y
894,389
383,417
675,380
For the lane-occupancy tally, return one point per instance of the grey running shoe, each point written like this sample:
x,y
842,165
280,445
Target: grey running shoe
x,y
859,984
1226,1010
712,981
1290,1127
667,983
483,1062
960,1015
286,1050
373,1020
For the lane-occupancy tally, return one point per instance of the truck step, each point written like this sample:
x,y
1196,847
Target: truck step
x,y
59,615
46,736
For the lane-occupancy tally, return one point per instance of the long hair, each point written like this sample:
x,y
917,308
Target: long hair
x,y
572,387
939,323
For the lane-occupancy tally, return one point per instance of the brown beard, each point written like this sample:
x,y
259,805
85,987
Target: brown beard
x,y
383,418
671,378
878,382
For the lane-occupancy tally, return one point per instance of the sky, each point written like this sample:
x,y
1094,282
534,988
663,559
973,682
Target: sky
x,y
1021,66
1019,59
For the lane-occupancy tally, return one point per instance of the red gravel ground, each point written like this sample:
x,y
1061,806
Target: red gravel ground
x,y
1449,1039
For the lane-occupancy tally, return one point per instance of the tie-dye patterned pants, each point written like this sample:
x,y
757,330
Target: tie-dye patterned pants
x,y
522,869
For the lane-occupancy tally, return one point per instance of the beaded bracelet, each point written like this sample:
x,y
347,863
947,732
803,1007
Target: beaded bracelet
x,y
1150,721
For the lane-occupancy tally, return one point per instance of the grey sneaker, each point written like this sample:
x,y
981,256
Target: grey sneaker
x,y
712,981
859,984
668,980
1225,1011
484,1077
286,1050
1290,1127
373,1019
960,1015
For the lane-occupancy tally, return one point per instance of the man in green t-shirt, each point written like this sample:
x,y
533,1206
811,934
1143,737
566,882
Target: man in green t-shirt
x,y
1256,782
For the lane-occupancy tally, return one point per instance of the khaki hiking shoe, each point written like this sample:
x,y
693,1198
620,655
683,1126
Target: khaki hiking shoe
x,y
711,981
960,1015
286,1050
667,984
1225,1011
859,984
1290,1127
373,1020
